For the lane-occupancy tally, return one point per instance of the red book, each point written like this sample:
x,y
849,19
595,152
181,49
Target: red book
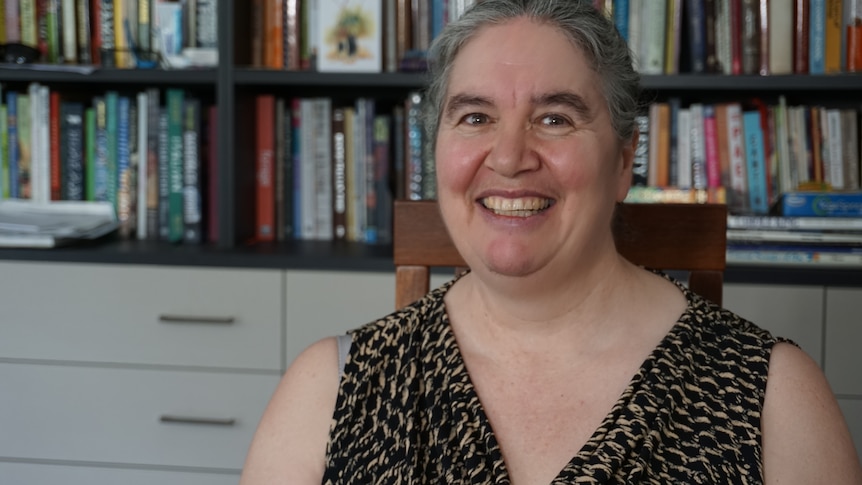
x,y
54,126
265,168
801,35
853,27
736,37
96,32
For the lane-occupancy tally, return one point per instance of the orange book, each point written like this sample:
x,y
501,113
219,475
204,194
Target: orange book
x,y
273,40
832,47
265,167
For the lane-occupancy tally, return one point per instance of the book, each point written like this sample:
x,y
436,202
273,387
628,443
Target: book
x,y
794,236
696,29
801,18
800,256
72,133
821,204
817,37
794,223
350,36
192,171
853,35
54,145
339,176
265,168
124,167
175,100
755,162
153,168
30,224
640,164
141,139
213,211
783,43
717,195
833,35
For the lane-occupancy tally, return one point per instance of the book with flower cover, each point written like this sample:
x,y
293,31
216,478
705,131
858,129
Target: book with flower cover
x,y
349,36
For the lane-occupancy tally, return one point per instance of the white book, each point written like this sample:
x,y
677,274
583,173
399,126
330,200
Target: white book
x,y
634,38
43,138
307,170
683,140
698,147
323,168
786,174
723,36
781,40
652,37
349,36
69,32
836,159
143,106
791,236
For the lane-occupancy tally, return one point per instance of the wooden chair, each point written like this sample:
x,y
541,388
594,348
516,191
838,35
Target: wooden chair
x,y
689,238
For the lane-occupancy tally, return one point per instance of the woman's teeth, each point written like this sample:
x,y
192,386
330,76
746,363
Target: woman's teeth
x,y
520,207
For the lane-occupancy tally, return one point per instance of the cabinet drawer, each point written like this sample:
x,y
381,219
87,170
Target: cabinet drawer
x,y
141,314
844,340
852,409
50,412
41,474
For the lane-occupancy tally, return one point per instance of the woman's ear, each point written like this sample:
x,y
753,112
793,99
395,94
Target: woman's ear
x,y
627,157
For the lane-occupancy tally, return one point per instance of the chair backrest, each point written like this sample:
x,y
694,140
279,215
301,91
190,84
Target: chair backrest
x,y
690,238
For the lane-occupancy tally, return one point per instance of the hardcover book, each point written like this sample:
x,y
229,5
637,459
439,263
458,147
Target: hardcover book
x,y
350,35
822,204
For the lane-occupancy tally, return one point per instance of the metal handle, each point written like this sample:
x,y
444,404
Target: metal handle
x,y
196,319
168,418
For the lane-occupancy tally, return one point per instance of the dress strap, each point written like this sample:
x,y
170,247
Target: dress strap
x,y
344,342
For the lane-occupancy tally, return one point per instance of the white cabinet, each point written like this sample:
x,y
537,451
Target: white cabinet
x,y
134,374
844,340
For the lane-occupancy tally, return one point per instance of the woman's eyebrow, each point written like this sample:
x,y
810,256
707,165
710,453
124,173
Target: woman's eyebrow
x,y
459,101
565,98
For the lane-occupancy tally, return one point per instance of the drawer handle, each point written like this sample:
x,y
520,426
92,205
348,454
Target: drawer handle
x,y
196,319
168,418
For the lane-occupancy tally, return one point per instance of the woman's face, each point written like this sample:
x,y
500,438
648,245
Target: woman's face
x,y
529,168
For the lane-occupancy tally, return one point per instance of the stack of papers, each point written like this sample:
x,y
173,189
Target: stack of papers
x,y
26,224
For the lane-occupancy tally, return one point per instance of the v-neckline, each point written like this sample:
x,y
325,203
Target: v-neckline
x,y
462,389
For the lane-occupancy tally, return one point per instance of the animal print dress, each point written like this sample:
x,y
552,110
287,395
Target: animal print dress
x,y
407,412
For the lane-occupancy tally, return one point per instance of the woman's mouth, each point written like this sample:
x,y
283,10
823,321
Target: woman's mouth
x,y
517,207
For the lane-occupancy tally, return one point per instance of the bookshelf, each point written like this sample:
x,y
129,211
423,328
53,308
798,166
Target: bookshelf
x,y
232,85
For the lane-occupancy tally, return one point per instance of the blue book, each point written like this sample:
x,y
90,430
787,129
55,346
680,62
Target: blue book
x,y
124,185
822,204
817,37
621,17
696,22
755,162
12,141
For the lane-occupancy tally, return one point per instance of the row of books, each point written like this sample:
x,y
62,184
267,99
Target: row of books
x,y
112,33
753,150
385,35
149,154
328,170
813,228
741,36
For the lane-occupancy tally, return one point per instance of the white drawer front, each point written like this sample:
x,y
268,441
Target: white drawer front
x,y
39,474
111,415
125,314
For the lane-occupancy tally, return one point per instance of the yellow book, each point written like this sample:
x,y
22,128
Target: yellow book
x,y
834,22
122,56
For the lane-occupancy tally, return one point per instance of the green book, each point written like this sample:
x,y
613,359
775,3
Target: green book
x,y
175,99
90,152
111,101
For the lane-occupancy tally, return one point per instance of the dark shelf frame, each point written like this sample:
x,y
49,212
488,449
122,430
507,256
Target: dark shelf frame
x,y
233,84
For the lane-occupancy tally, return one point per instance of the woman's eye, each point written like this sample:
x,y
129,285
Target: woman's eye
x,y
555,120
475,119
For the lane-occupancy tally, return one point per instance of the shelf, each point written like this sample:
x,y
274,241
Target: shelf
x,y
257,77
707,82
112,76
325,256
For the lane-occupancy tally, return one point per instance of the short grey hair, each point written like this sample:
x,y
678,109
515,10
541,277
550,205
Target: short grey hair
x,y
606,52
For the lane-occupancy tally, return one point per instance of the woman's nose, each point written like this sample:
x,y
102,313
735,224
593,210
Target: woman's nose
x,y
512,152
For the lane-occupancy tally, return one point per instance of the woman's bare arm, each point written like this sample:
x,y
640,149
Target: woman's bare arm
x,y
805,437
290,443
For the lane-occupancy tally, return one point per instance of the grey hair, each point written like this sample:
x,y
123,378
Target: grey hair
x,y
605,50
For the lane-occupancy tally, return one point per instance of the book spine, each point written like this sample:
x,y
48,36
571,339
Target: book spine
x,y
69,32
90,169
698,147
674,104
850,148
832,46
279,161
323,168
192,216
307,172
145,27
175,99
106,33
721,137
287,168
359,168
712,65
786,170
124,176
783,38
58,174
82,9
836,163
750,37
634,35
853,35
736,150
653,34
41,142
207,24
621,18
141,140
382,164
101,153
265,168
723,39
121,44
29,33
212,178
763,37
273,43
256,31
640,164
296,154
736,39
683,170
4,151
151,161
25,160
801,35
817,37
73,121
755,162
291,34
12,142
821,204
111,100
164,177
414,148
710,140
339,176
696,24
350,173
95,31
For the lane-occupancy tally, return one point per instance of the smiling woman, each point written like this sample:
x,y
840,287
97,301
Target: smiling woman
x,y
554,359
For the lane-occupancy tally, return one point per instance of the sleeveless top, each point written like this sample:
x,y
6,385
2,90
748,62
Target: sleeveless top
x,y
407,412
